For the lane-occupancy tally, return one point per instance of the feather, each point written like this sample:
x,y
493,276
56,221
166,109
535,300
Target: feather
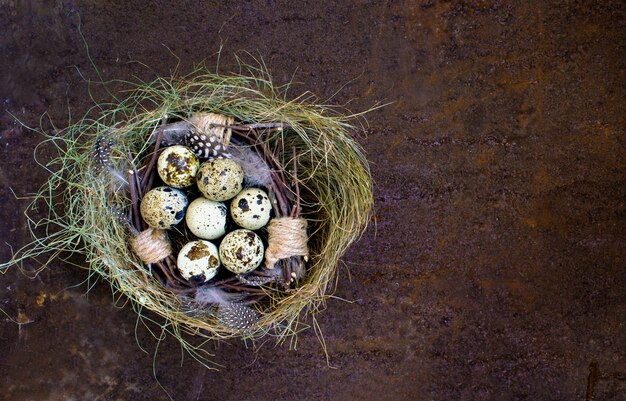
x,y
258,280
102,150
256,172
214,295
237,316
207,146
230,313
102,156
172,134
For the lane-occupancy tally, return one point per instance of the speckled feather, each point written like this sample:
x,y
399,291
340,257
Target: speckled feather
x,y
206,146
102,156
230,313
258,281
102,151
237,316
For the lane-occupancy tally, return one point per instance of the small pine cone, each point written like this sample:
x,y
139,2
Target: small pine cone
x,y
237,316
207,146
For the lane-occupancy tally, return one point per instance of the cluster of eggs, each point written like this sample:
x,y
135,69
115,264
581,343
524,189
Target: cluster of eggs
x,y
218,180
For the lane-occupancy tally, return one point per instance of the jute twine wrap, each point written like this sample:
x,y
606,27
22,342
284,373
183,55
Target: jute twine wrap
x,y
204,124
151,245
287,237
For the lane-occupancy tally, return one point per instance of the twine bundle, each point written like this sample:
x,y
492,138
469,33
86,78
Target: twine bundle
x,y
317,179
287,238
151,245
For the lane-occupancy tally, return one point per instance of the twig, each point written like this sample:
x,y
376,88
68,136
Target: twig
x,y
134,201
226,281
286,272
249,127
244,289
295,211
146,181
171,264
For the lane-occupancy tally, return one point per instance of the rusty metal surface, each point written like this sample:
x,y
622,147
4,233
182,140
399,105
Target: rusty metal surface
x,y
497,267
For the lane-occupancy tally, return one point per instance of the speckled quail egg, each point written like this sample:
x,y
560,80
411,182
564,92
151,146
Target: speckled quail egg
x,y
163,207
206,218
198,260
241,251
220,179
251,208
177,166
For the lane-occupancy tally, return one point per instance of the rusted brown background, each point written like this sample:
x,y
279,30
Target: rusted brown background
x,y
497,269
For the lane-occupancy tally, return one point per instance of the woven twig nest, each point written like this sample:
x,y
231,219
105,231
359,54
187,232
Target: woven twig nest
x,y
302,154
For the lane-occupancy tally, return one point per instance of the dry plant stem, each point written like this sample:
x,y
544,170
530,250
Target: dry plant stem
x,y
295,211
279,144
225,281
136,177
253,298
274,202
243,289
286,272
248,127
170,262
165,271
149,174
135,185
134,200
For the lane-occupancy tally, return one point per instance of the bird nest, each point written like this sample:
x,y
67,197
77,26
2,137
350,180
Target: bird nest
x,y
303,155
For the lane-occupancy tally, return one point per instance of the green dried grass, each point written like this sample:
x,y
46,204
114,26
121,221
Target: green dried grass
x,y
332,172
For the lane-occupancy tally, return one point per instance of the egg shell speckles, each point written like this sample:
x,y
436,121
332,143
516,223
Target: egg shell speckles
x,y
251,208
198,259
177,166
220,179
163,207
206,218
241,251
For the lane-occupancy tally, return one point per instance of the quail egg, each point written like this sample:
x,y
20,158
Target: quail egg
x,y
198,260
241,251
251,208
163,207
220,179
177,166
206,218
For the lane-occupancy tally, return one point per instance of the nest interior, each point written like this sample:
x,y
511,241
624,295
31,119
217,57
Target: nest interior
x,y
322,176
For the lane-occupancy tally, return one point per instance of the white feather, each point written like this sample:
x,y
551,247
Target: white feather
x,y
214,295
256,172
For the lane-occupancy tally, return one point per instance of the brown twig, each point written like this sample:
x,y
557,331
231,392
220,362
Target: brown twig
x,y
134,200
148,176
295,211
170,262
250,127
295,262
225,281
244,289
